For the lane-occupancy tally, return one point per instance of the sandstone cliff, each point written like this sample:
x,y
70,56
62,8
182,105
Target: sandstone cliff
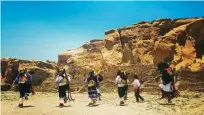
x,y
136,49
139,48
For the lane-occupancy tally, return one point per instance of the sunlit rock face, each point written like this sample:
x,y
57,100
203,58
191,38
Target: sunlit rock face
x,y
134,48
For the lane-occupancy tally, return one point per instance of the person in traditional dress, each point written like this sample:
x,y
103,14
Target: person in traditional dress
x,y
121,82
31,89
136,85
62,81
23,80
69,96
126,87
92,84
100,79
69,89
167,79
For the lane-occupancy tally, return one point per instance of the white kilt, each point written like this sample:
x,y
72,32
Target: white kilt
x,y
167,87
98,91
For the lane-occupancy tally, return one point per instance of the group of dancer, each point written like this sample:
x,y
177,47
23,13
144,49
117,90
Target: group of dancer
x,y
122,83
92,81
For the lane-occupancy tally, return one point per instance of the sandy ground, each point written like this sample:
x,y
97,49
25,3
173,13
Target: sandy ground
x,y
47,104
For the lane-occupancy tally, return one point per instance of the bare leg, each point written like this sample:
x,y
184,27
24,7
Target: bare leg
x,y
90,102
99,95
61,102
20,102
94,101
69,96
163,94
169,97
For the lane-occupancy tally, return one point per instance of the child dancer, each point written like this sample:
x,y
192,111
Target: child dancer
x,y
136,85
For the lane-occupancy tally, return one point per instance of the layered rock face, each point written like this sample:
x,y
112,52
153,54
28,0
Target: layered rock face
x,y
141,47
43,77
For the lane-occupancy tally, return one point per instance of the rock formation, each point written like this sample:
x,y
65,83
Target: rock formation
x,y
43,76
140,46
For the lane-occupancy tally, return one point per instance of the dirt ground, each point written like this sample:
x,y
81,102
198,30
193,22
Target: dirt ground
x,y
47,104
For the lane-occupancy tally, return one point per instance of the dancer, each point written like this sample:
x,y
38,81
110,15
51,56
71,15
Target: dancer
x,y
23,80
121,82
126,86
100,79
92,84
136,85
167,79
62,81
69,96
69,89
31,89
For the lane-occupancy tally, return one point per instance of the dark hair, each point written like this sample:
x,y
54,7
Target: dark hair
x,y
119,72
135,76
64,72
91,74
123,76
162,66
61,74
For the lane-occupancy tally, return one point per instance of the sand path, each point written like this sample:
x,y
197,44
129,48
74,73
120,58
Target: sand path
x,y
47,104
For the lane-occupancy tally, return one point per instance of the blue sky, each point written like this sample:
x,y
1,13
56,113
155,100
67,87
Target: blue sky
x,y
41,30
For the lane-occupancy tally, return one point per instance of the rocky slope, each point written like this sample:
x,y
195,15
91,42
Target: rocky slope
x,y
43,77
138,48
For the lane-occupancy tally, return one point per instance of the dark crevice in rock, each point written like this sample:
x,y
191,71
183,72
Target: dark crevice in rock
x,y
163,31
196,32
199,45
126,44
182,39
121,40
